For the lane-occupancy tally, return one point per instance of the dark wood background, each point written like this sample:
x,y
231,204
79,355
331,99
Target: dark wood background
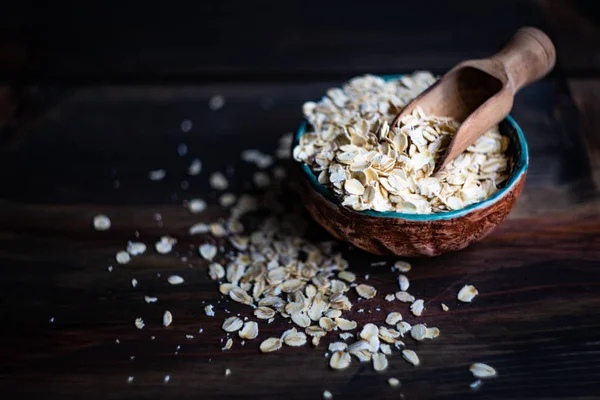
x,y
93,94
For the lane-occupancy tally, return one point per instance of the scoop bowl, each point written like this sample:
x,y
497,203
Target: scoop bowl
x,y
412,235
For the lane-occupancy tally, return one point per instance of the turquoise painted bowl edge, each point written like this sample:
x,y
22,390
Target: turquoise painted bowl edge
x,y
519,169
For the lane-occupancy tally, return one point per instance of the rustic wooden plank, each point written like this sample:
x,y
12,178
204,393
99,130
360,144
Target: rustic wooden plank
x,y
535,320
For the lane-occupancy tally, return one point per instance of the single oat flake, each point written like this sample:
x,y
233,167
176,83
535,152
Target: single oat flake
x,y
157,174
467,293
403,283
327,395
207,251
123,257
393,382
175,280
196,206
393,318
232,324
136,248
228,344
417,308
208,310
270,345
366,291
411,357
418,332
218,181
340,360
249,331
101,222
480,370
167,318
380,362
444,307
402,266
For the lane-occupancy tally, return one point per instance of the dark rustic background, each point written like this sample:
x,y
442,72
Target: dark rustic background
x,y
93,94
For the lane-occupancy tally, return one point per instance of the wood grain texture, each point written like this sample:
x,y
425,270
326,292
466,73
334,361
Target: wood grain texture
x,y
81,150
535,320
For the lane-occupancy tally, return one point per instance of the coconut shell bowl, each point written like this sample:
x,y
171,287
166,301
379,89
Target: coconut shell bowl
x,y
413,235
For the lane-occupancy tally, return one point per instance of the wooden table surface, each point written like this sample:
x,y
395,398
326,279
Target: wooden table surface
x,y
93,119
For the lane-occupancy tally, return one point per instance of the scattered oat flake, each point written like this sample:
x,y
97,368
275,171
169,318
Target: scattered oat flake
x,y
405,297
340,360
249,331
295,339
432,333
327,395
101,222
195,167
218,181
196,206
380,362
228,344
136,248
165,245
130,379
270,344
167,379
232,324
199,228
403,283
139,323
227,199
444,307
123,257
476,385
207,251
480,370
345,335
393,318
167,318
208,310
402,266
157,174
345,324
467,293
186,125
390,297
366,291
175,280
418,332
411,357
227,372
134,282
393,382
216,102
417,307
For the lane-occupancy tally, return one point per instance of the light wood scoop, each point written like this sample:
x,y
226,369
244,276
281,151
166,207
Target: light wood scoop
x,y
479,93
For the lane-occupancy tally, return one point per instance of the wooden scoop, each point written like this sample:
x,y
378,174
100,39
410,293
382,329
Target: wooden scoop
x,y
479,93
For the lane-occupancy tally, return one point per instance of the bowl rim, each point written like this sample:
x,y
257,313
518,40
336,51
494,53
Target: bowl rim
x,y
520,169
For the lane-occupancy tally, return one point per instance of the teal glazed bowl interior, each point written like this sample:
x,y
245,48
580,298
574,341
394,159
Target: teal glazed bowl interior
x,y
401,234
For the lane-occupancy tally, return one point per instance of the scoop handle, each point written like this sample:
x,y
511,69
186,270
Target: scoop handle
x,y
527,57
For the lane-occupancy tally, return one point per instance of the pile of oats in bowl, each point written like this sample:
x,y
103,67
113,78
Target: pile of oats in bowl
x,y
370,165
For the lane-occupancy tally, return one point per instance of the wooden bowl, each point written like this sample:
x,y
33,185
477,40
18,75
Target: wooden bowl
x,y
400,234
